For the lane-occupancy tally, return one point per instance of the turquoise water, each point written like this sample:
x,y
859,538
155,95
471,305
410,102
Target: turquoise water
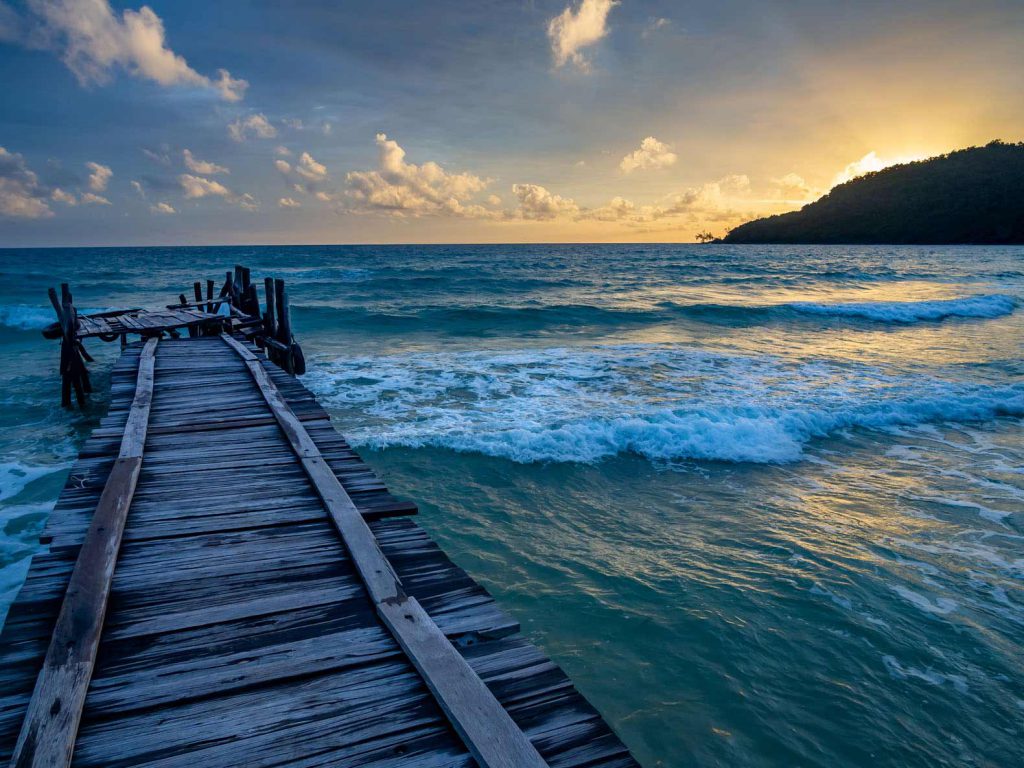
x,y
765,505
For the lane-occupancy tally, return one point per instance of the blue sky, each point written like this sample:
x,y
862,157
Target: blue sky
x,y
475,122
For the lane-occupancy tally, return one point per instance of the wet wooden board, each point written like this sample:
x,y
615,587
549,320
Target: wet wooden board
x,y
239,631
140,321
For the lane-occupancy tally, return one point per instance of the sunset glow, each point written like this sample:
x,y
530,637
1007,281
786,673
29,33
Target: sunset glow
x,y
581,120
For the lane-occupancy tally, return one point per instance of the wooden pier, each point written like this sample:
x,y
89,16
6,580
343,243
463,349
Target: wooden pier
x,y
226,583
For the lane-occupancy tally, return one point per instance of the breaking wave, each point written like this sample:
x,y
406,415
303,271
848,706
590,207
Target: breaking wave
x,y
993,305
24,317
662,402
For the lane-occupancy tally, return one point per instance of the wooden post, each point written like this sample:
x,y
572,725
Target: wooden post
x,y
284,325
227,292
209,296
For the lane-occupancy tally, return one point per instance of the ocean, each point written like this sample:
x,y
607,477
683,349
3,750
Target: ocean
x,y
765,505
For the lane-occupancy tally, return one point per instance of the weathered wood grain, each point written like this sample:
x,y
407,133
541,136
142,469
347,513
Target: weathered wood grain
x,y
50,727
481,722
238,629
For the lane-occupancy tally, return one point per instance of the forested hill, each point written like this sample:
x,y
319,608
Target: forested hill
x,y
974,195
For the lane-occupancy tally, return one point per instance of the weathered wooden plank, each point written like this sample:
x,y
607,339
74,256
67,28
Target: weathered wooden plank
x,y
48,733
481,722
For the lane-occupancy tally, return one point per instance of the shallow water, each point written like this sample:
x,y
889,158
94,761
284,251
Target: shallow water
x,y
764,504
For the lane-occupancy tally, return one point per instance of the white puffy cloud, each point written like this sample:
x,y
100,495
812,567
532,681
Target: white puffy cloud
x,y
575,29
254,125
288,202
162,208
99,176
21,195
93,40
868,164
792,187
204,167
60,196
402,188
137,187
282,151
652,154
86,198
89,198
310,169
305,175
323,197
196,187
536,202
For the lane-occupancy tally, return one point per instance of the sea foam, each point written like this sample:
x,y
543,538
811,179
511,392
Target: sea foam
x,y
663,402
24,317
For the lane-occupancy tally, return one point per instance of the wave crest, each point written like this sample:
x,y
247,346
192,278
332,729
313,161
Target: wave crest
x,y
659,401
986,306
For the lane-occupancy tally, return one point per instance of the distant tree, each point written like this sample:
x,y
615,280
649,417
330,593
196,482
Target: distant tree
x,y
705,237
973,195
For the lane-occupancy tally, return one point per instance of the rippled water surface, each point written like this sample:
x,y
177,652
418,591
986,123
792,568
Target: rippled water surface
x,y
764,504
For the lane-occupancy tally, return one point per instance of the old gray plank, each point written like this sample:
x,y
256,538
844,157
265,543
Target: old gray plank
x,y
483,724
48,733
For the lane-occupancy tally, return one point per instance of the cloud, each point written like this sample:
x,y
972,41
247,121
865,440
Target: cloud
x,y
870,163
282,150
310,169
287,202
93,39
402,188
88,198
137,187
245,201
162,208
162,158
323,197
654,25
573,30
99,176
536,202
60,196
305,175
196,187
21,195
254,125
651,155
204,167
792,187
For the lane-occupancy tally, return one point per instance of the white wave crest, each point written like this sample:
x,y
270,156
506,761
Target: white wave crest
x,y
986,306
24,317
660,401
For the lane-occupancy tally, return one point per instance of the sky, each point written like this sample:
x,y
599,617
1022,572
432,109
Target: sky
x,y
489,121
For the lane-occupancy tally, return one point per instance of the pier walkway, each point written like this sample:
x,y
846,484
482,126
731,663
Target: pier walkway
x,y
226,583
